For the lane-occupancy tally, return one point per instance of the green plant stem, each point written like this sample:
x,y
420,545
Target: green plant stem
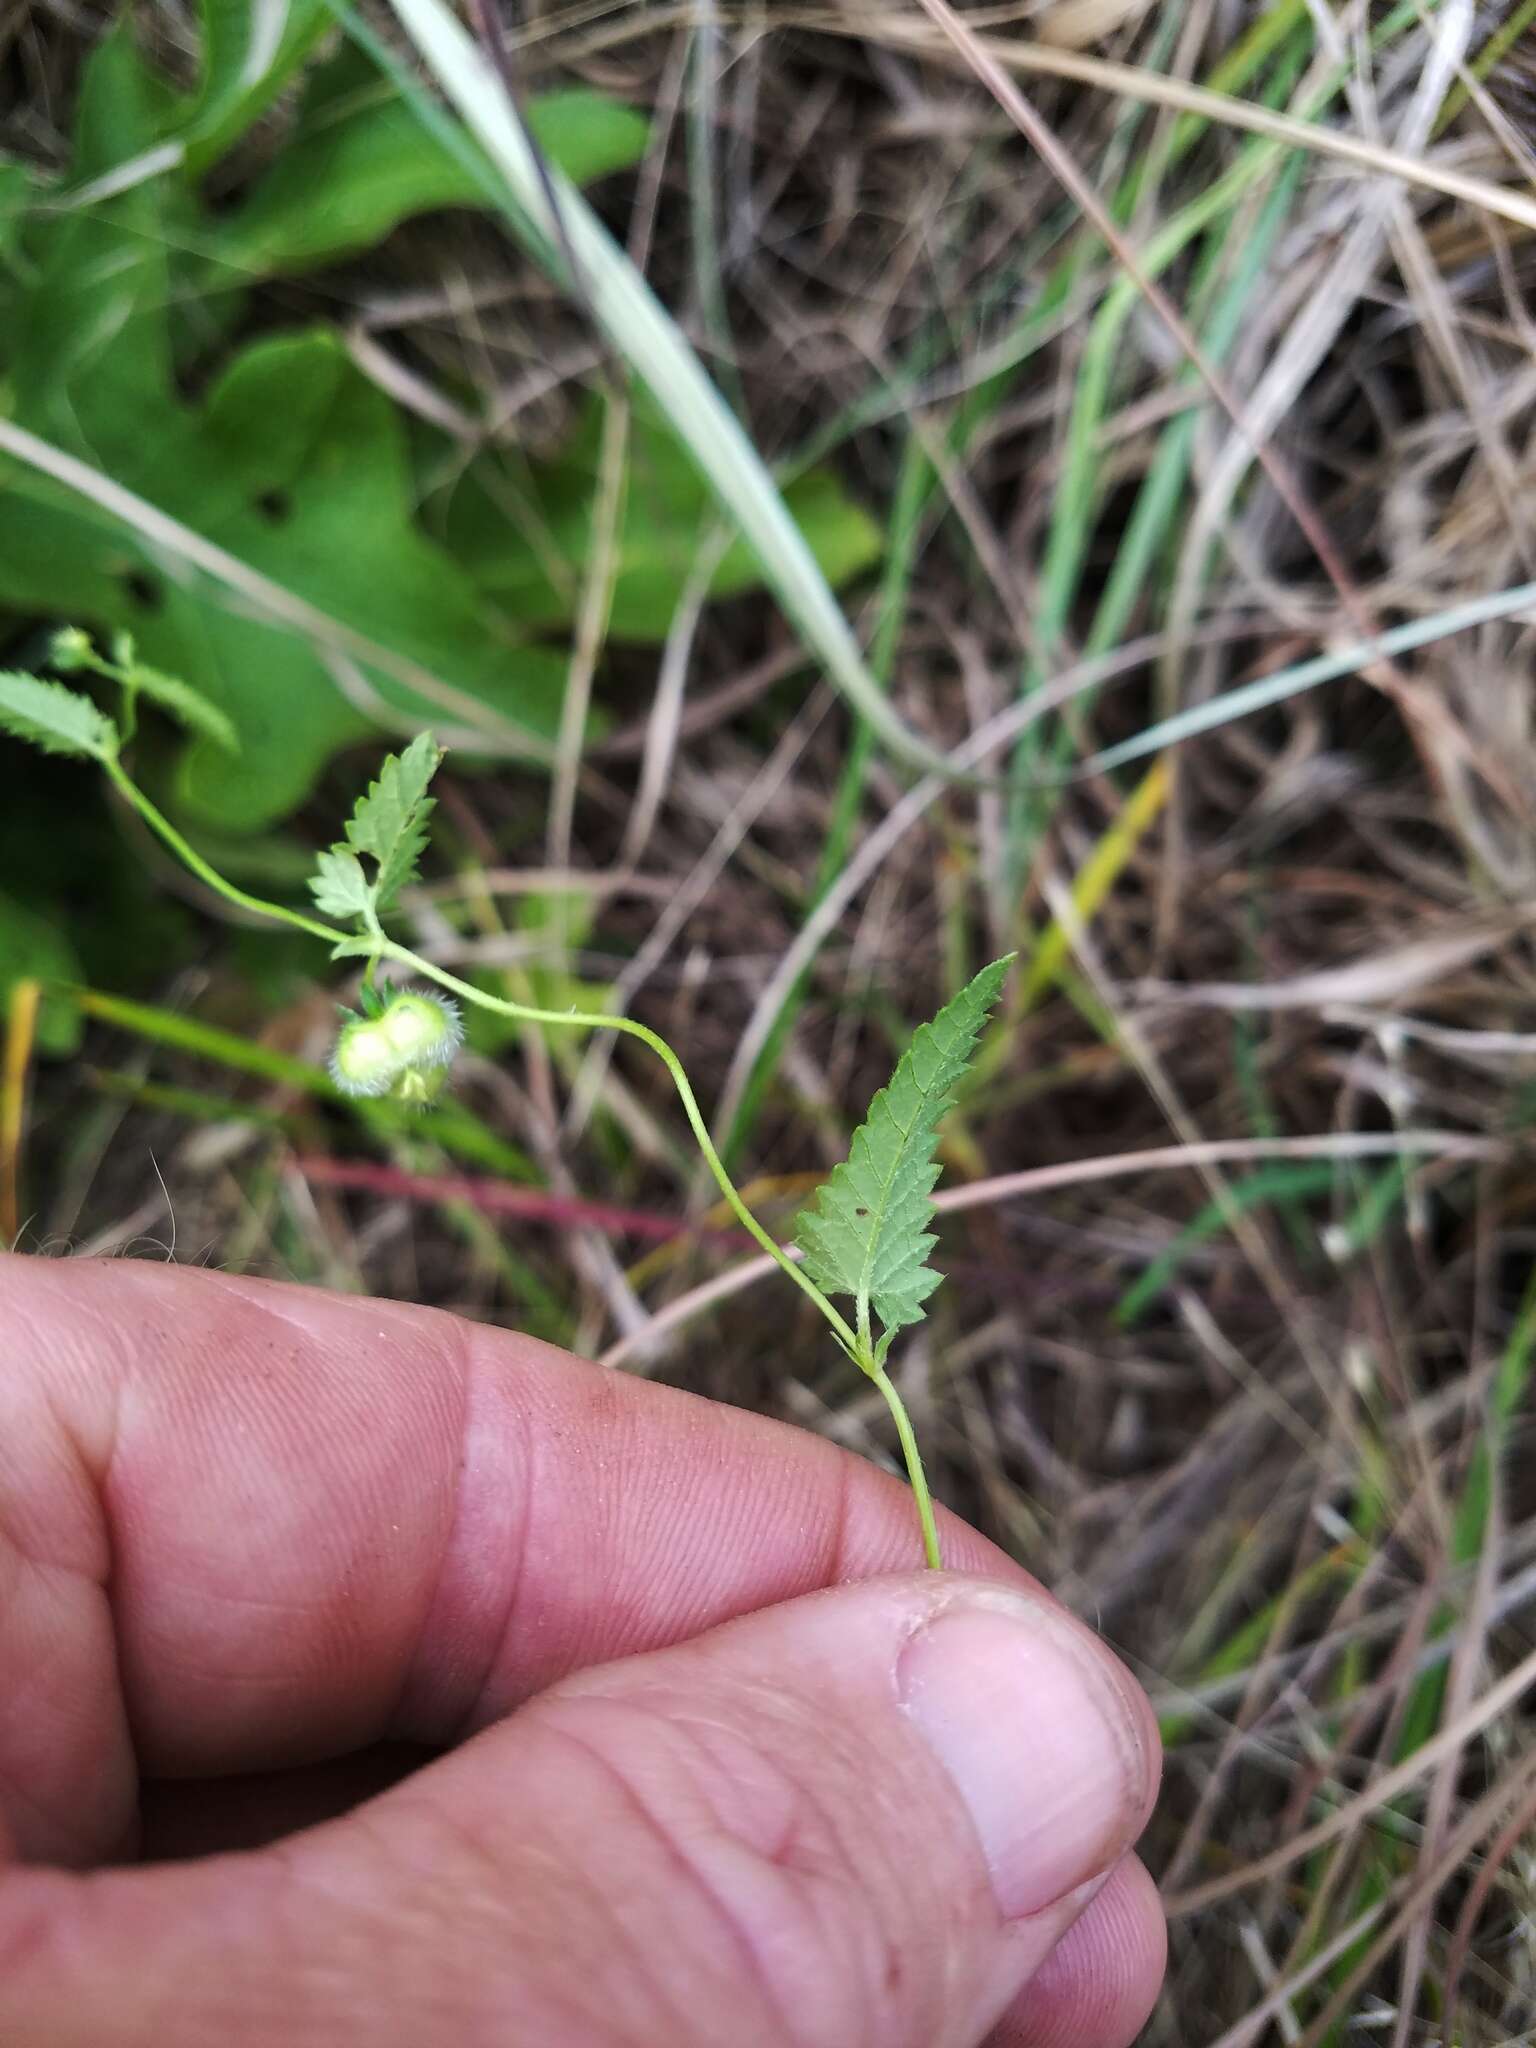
x,y
595,1021
919,1478
858,1344
577,1020
191,859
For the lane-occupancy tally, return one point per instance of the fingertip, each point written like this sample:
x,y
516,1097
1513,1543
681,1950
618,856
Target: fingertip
x,y
1100,1983
1045,1736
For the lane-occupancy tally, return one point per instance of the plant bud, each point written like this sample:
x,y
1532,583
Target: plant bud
x,y
69,649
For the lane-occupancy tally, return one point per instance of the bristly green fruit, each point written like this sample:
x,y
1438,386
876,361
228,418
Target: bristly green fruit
x,y
403,1049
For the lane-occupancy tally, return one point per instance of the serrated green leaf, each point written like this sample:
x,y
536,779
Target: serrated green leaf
x,y
866,1233
339,886
187,706
57,720
390,820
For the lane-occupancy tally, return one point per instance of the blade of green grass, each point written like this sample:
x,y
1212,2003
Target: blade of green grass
x,y
1494,51
1236,67
901,551
1146,534
1075,508
1469,1530
1307,675
1249,1641
1047,301
1251,1192
1382,1196
1074,512
644,334
918,487
1470,1525
194,1105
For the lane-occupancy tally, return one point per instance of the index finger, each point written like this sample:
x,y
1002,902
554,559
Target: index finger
x,y
245,1525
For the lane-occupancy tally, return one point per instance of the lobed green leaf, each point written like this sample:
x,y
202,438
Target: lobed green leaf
x,y
389,822
57,720
339,886
866,1232
389,825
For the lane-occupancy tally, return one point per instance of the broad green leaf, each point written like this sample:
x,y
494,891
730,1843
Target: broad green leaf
x,y
389,822
298,466
59,721
339,886
867,1232
585,134
187,706
91,340
290,459
359,162
525,535
123,107
286,709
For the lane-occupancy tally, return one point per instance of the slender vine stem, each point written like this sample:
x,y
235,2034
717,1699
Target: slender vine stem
x,y
403,1042
191,859
577,1020
859,1343
596,1021
914,1458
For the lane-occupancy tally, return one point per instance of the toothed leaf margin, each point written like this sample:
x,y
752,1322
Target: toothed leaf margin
x,y
866,1232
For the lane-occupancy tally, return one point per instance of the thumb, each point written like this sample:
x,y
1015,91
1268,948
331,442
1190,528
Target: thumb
x,y
864,1815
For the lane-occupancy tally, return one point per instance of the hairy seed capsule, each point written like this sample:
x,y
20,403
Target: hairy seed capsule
x,y
403,1052
363,1061
423,1030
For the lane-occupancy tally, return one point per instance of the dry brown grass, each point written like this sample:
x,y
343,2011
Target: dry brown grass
x,y
1259,1489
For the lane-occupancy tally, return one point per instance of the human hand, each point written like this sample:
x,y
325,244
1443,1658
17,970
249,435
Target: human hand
x,y
690,1772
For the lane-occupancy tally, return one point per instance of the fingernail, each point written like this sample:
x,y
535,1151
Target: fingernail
x,y
1039,1742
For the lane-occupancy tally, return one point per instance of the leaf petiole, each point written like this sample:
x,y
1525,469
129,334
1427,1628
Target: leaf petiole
x,y
914,1457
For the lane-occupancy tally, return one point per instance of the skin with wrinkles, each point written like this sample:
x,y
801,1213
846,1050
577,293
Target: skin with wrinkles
x,y
262,1551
